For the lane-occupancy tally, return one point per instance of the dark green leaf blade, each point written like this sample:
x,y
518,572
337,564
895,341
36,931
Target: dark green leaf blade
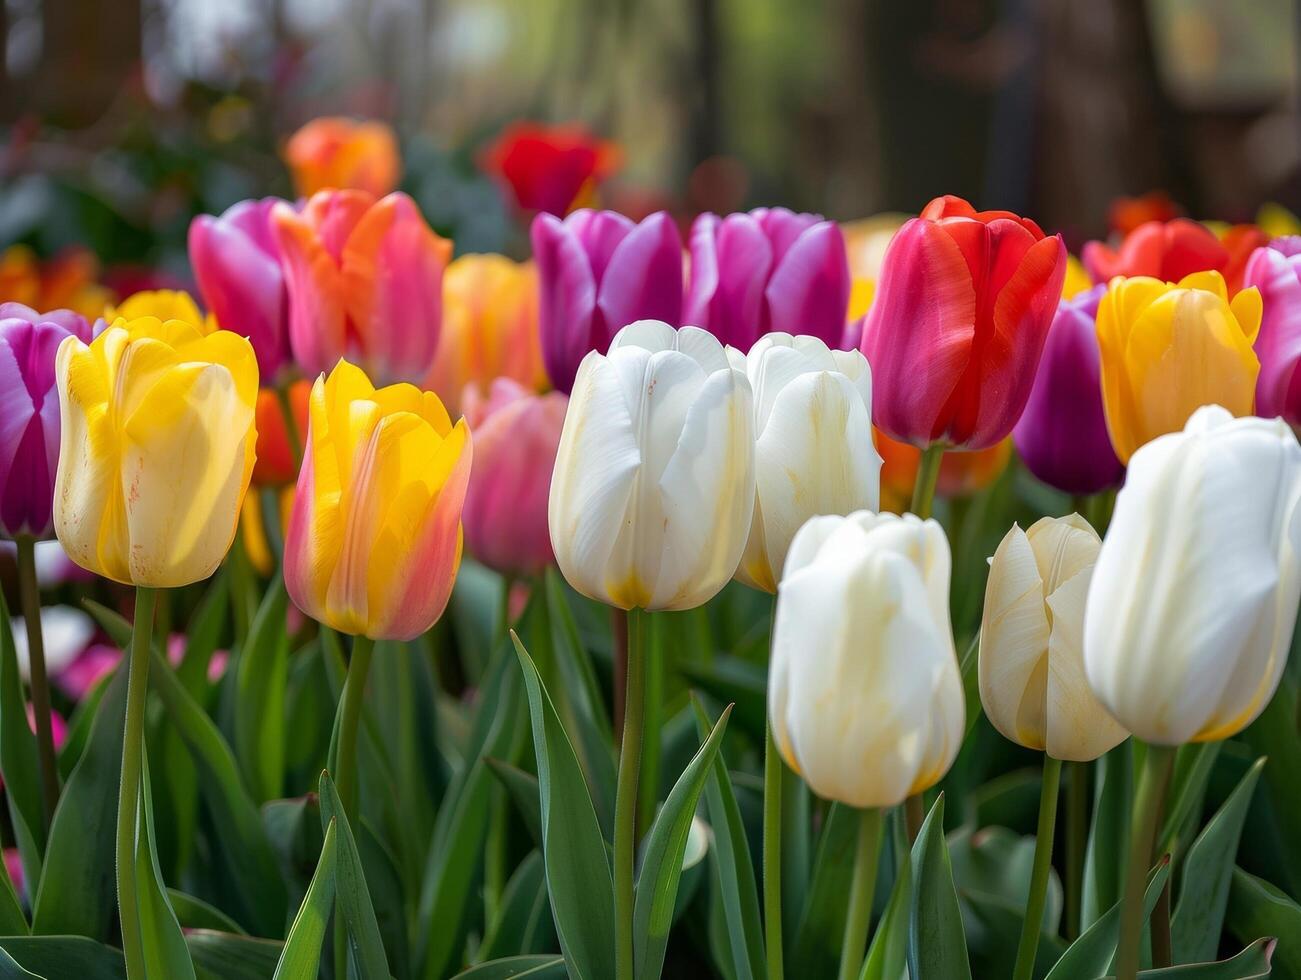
x,y
301,957
350,886
937,945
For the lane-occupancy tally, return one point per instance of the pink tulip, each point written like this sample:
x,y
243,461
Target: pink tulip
x,y
1276,271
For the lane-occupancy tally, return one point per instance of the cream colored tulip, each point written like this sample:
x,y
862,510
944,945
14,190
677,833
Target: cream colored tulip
x,y
1194,595
653,485
813,451
1032,682
864,693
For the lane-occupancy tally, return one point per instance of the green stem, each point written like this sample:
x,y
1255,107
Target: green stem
x,y
928,474
354,692
1032,925
291,423
652,723
128,800
1142,833
625,799
31,605
1077,830
772,855
861,892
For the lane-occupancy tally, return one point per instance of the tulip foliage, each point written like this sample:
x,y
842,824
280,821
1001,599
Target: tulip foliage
x,y
733,603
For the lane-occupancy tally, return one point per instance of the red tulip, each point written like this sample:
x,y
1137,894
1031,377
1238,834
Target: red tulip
x,y
549,168
1165,250
958,325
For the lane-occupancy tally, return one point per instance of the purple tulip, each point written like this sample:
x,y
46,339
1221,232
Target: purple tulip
x,y
1062,434
771,269
1276,271
598,271
238,269
29,414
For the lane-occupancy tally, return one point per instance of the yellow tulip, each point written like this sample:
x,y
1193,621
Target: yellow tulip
x,y
158,440
165,304
1167,349
374,539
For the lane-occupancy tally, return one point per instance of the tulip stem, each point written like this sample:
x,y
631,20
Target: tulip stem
x,y
354,692
31,605
772,854
861,893
652,722
1077,828
1032,925
128,800
1142,832
928,475
291,424
914,814
625,799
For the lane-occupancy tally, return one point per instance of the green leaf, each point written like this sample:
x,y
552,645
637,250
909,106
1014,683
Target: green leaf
x,y
1274,734
65,956
1192,771
547,967
18,761
262,671
10,970
195,913
203,634
301,957
887,957
165,954
661,859
1207,872
77,893
731,679
1108,834
822,920
1256,909
237,822
1251,964
456,851
221,956
364,940
578,870
1091,954
733,869
522,787
523,924
937,945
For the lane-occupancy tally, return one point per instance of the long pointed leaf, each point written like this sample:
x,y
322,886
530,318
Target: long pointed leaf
x,y
262,672
1091,954
887,957
18,760
364,939
165,954
822,920
301,957
937,945
1257,908
541,967
523,925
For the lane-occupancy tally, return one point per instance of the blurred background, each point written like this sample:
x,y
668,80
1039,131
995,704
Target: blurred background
x,y
120,119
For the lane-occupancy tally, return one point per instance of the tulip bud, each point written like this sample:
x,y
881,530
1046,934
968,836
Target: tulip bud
x,y
342,154
157,449
864,693
516,434
1194,595
550,168
813,450
959,320
374,537
598,272
769,270
653,486
238,270
1031,665
365,281
1062,434
490,328
1165,250
1166,350
29,415
1276,272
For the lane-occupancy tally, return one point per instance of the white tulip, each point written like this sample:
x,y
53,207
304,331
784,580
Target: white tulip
x,y
1194,596
813,450
864,693
1032,682
654,479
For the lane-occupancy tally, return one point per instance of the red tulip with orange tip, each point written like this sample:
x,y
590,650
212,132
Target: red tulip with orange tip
x,y
277,462
551,169
1165,250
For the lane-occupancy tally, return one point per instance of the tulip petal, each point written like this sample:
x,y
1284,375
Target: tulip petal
x,y
567,299
809,289
317,319
730,263
643,279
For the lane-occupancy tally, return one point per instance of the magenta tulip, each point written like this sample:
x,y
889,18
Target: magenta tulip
x,y
599,271
1276,271
29,414
768,270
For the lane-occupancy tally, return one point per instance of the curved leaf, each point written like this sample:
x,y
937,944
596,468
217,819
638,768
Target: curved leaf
x,y
301,957
364,941
1256,909
165,953
1091,954
18,760
65,956
523,925
261,675
533,967
822,920
937,945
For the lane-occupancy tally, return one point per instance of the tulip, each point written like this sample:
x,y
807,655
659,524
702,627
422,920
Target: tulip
x,y
598,272
157,449
813,448
1277,221
1166,250
29,415
1031,661
769,270
374,541
516,434
653,487
1276,272
164,305
864,694
66,281
961,474
550,168
958,324
1062,434
342,154
1127,213
277,462
238,269
490,328
364,281
1168,349
1240,242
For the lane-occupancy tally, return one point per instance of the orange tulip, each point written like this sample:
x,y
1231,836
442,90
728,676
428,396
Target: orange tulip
x,y
961,473
65,282
276,464
335,152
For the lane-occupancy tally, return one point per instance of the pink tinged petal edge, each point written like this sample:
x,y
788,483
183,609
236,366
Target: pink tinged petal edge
x,y
643,280
567,299
809,290
317,323
299,557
